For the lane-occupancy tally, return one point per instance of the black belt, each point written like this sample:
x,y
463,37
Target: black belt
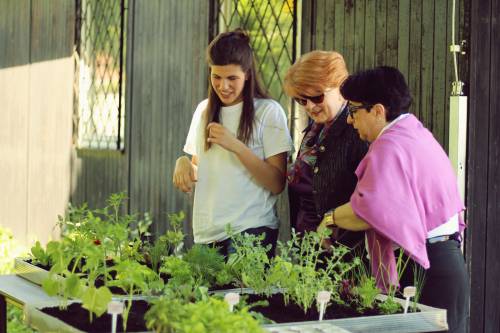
x,y
437,239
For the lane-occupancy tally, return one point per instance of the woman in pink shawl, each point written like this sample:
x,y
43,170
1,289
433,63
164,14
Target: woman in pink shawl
x,y
407,194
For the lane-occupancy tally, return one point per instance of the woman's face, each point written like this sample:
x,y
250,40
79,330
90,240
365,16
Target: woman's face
x,y
228,82
366,119
322,111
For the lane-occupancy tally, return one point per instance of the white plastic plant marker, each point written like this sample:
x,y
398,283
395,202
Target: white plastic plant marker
x,y
115,308
323,298
232,299
408,292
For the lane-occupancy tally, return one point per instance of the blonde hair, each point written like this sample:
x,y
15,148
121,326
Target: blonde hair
x,y
315,71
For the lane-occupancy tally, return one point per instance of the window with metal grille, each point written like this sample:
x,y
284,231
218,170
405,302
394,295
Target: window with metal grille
x,y
100,74
271,24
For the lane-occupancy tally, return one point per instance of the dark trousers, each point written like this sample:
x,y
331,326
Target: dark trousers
x,y
270,238
445,284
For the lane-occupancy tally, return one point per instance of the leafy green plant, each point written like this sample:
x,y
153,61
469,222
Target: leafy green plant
x,y
10,249
120,234
206,262
207,316
183,281
15,320
390,306
169,243
39,255
174,237
418,282
92,242
365,289
133,278
249,263
302,269
96,300
367,292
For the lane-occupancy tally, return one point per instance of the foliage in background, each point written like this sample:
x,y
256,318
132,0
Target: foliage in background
x,y
10,249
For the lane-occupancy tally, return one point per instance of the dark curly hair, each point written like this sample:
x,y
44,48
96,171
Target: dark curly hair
x,y
385,85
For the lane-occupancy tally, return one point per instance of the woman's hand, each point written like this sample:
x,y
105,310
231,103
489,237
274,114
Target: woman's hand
x,y
220,135
184,174
269,173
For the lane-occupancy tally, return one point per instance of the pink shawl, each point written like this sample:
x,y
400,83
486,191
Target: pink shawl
x,y
406,187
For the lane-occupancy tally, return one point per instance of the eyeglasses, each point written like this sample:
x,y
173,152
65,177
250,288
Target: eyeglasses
x,y
352,109
315,99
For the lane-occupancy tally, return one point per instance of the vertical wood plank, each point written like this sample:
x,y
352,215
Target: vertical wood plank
x,y
381,34
49,145
306,34
330,24
392,33
492,287
404,37
15,22
338,32
439,111
166,91
449,70
370,30
359,36
349,26
320,26
427,54
477,181
52,33
415,63
14,115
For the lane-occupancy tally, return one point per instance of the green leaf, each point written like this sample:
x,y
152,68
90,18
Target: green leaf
x,y
96,300
39,254
50,286
72,286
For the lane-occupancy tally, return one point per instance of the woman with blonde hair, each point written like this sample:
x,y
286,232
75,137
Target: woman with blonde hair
x,y
322,176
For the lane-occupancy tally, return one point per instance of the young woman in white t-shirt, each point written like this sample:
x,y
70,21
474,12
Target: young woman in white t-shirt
x,y
238,141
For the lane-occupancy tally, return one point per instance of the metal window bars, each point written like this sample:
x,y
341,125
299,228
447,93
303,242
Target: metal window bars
x,y
100,74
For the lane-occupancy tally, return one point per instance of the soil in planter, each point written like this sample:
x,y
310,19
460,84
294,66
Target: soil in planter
x,y
281,313
30,261
78,317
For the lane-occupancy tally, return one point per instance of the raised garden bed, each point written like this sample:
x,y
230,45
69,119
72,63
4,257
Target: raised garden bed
x,y
23,268
51,319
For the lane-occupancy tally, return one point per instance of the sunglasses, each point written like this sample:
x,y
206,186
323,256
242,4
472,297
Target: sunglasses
x,y
352,109
315,99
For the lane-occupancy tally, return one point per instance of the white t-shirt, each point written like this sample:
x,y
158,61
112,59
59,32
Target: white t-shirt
x,y
226,193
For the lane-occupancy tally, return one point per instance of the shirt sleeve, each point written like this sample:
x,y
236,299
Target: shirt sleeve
x,y
276,136
193,139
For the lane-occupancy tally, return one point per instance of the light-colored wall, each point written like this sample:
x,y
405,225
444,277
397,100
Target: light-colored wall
x,y
14,149
35,146
36,103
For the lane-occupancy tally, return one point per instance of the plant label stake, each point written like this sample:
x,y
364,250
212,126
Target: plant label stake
x,y
408,292
323,298
232,299
115,308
